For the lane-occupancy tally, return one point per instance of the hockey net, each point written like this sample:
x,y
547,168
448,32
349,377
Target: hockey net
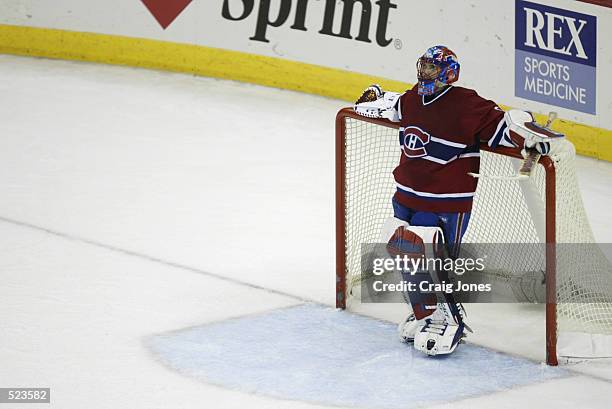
x,y
546,208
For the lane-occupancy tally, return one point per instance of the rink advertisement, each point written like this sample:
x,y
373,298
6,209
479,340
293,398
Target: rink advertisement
x,y
556,56
165,12
266,18
336,48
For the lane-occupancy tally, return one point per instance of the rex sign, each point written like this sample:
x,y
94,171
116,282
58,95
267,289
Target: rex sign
x,y
555,56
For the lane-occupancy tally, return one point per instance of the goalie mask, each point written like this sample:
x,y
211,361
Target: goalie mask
x,y
436,69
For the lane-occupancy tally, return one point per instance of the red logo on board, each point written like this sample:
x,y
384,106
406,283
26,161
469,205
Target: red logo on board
x,y
166,11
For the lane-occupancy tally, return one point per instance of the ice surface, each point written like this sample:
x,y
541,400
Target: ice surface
x,y
130,198
311,353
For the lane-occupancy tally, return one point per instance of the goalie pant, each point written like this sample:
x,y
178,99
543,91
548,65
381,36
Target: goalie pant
x,y
454,226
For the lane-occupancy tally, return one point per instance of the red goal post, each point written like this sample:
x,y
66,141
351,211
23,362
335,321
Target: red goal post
x,y
342,239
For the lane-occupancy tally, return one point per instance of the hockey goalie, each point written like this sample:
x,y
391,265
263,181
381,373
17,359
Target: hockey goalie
x,y
441,129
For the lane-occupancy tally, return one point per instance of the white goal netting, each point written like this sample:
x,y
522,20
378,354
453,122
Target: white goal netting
x,y
505,211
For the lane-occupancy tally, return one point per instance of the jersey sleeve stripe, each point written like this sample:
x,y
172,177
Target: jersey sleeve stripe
x,y
494,140
507,140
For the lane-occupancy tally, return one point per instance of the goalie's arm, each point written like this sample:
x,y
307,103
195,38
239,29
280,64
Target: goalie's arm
x,y
376,103
510,132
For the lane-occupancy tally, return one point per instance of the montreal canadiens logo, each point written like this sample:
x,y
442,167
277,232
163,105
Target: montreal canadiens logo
x,y
415,140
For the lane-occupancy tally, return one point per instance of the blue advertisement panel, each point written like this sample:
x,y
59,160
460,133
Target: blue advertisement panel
x,y
555,56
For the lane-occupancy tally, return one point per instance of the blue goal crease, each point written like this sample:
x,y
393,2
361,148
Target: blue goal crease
x,y
321,355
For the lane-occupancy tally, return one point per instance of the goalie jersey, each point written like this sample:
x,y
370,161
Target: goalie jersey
x,y
440,142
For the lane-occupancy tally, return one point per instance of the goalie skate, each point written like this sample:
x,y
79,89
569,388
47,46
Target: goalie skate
x,y
440,333
408,328
438,337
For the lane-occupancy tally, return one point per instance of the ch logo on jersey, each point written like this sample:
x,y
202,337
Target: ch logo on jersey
x,y
415,140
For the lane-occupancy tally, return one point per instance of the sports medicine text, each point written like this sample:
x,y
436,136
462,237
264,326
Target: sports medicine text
x,y
552,79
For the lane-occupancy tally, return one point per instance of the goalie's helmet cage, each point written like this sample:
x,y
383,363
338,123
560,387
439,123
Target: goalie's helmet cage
x,y
437,68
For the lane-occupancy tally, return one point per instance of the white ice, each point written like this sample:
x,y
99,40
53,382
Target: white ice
x,y
135,202
310,352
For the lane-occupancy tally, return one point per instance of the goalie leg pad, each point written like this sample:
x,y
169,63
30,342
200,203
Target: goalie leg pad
x,y
415,244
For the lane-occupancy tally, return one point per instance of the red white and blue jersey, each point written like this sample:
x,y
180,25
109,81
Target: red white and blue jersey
x,y
440,143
